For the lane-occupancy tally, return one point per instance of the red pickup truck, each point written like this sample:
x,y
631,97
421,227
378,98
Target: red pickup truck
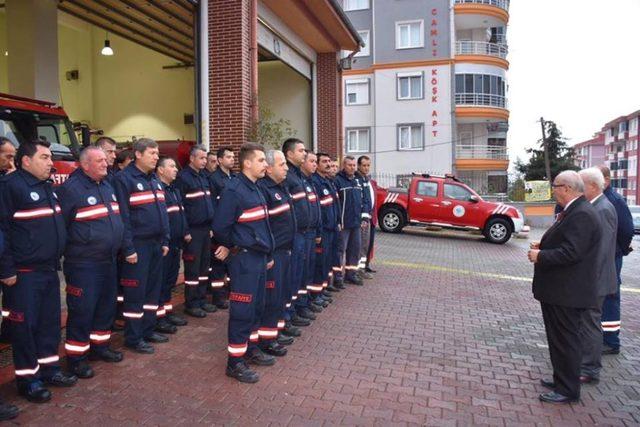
x,y
445,201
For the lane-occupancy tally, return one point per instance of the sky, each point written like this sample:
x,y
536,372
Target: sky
x,y
574,62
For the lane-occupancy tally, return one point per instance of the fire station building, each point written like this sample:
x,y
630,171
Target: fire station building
x,y
215,71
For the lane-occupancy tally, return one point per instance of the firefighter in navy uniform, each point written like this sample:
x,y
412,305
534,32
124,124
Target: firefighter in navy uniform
x,y
146,241
330,208
225,159
7,165
35,236
283,226
315,300
241,225
295,153
167,171
95,232
109,146
196,193
336,262
352,220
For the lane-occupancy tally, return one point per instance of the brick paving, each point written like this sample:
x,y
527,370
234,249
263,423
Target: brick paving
x,y
446,334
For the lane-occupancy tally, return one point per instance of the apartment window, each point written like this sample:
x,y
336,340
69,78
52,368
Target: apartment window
x,y
357,92
410,86
486,84
409,34
612,131
498,35
358,140
633,125
356,5
410,136
623,127
365,51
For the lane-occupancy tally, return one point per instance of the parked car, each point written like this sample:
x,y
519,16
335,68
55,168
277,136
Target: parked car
x,y
635,213
445,201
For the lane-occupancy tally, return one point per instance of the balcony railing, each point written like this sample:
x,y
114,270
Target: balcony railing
x,y
481,152
482,99
502,4
466,47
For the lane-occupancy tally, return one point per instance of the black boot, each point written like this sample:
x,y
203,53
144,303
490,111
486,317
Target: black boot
x,y
284,339
34,392
291,331
256,356
8,411
274,349
242,372
165,327
81,369
299,321
176,319
61,379
107,355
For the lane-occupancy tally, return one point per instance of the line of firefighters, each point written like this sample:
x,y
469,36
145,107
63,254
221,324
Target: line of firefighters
x,y
272,243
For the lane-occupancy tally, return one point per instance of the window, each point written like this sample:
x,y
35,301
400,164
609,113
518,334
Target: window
x,y
410,86
623,127
410,137
358,140
452,191
409,34
633,126
498,35
356,5
427,189
365,51
480,83
357,92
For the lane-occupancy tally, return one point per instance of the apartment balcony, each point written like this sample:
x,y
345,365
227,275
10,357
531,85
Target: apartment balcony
x,y
481,107
479,52
481,157
481,13
492,152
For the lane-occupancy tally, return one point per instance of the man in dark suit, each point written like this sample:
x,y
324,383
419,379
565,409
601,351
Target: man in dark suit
x,y
606,282
611,306
565,268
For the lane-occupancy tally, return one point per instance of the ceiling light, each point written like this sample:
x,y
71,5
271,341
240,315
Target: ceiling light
x,y
106,50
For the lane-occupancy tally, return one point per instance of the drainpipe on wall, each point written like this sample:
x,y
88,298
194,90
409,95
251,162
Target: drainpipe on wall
x,y
253,49
202,67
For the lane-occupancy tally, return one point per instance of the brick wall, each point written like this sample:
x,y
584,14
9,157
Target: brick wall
x,y
329,104
230,68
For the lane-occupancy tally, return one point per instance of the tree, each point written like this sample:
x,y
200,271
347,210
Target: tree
x,y
269,131
561,156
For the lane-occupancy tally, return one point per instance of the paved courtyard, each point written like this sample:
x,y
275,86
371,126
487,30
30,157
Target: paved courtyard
x,y
446,334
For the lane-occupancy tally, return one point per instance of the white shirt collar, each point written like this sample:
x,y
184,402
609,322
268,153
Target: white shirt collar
x,y
592,201
569,204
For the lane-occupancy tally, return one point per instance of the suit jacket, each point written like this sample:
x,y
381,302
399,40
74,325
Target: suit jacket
x,y
567,268
607,278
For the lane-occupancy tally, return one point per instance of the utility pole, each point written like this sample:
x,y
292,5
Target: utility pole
x,y
547,163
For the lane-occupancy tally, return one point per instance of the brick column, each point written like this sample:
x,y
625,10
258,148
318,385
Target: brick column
x,y
230,72
329,104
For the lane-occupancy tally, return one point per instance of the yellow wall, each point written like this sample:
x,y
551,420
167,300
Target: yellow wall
x,y
288,95
4,82
128,94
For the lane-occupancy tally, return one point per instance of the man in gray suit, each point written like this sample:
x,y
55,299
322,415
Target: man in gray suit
x,y
606,281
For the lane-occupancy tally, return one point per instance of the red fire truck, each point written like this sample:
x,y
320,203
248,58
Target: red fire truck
x,y
445,201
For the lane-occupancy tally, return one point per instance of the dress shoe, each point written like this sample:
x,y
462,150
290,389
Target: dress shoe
x,y
298,321
8,412
365,275
553,397
610,350
307,314
548,384
370,270
34,392
81,369
141,347
332,288
284,339
274,349
314,307
108,355
61,379
260,358
176,319
242,373
165,327
291,331
588,379
355,280
195,312
156,338
222,305
209,308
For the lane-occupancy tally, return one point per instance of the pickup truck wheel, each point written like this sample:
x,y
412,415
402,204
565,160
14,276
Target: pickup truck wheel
x,y
391,220
497,230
